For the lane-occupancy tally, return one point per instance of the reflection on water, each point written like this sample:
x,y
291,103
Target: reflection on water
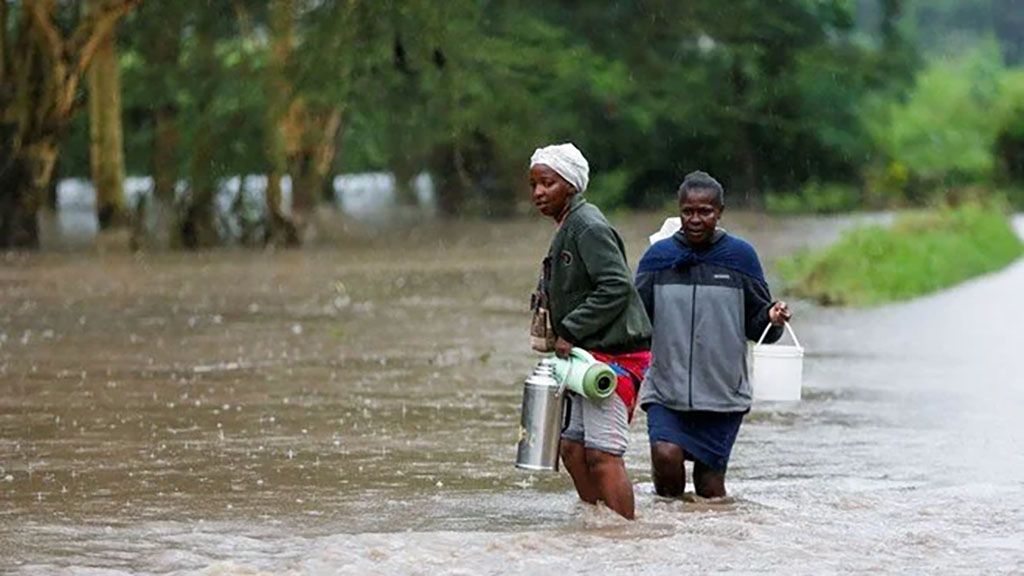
x,y
354,411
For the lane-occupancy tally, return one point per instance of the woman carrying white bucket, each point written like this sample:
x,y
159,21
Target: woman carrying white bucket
x,y
705,293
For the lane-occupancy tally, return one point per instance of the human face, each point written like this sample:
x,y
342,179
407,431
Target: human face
x,y
699,212
549,192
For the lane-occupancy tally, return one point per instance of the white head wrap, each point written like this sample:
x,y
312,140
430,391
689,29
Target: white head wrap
x,y
567,161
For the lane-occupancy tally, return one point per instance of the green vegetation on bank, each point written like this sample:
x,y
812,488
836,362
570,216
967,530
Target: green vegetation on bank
x,y
920,253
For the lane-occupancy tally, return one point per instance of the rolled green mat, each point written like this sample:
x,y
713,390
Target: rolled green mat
x,y
584,375
599,381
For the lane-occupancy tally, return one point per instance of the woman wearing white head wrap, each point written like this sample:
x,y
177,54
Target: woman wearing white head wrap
x,y
567,161
587,290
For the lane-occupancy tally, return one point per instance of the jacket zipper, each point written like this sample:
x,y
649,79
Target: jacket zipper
x,y
693,324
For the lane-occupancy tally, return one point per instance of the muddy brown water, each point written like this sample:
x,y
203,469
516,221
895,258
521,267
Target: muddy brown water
x,y
354,410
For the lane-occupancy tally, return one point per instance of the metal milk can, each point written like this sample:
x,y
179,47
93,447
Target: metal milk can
x,y
540,428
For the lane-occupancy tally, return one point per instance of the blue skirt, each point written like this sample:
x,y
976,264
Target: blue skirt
x,y
706,437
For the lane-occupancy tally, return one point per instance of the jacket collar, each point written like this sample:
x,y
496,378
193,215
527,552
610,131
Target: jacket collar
x,y
575,202
680,237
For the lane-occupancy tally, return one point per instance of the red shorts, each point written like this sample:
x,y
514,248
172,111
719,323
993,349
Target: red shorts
x,y
630,369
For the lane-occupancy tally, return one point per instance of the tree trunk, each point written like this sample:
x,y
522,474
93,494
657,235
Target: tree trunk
x,y
165,176
748,172
402,141
892,10
484,174
449,185
898,59
198,227
3,49
301,139
404,173
29,97
403,165
281,230
299,163
31,184
310,156
18,227
161,25
47,218
106,136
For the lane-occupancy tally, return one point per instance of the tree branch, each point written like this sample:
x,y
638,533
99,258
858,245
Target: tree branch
x,y
3,45
95,27
244,18
41,15
326,148
41,31
85,41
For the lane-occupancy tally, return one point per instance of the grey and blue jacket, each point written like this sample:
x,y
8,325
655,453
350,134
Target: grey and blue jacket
x,y
704,305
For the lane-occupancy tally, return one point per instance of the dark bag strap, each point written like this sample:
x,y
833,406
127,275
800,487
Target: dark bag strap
x,y
567,409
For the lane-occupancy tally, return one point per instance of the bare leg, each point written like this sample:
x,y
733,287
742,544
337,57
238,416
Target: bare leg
x,y
708,483
575,460
609,474
669,471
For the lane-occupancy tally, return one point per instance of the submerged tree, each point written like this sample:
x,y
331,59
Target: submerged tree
x,y
156,32
42,64
198,224
106,135
309,63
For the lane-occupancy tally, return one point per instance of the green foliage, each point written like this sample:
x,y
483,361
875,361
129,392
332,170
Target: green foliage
x,y
831,85
919,254
944,131
1015,197
815,198
649,90
748,94
763,99
1009,147
609,190
962,123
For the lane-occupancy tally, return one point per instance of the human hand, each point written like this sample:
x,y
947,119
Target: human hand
x,y
562,347
779,313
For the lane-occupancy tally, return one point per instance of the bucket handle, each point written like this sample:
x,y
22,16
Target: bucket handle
x,y
788,327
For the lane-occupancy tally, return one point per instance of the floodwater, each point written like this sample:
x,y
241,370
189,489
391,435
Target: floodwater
x,y
355,410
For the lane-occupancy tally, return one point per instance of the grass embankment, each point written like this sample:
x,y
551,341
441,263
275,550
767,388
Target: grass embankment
x,y
920,253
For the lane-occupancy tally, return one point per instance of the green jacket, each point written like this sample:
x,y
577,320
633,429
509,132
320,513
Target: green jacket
x,y
592,299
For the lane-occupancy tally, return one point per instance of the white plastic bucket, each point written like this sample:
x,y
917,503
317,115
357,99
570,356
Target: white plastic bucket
x,y
777,371
668,228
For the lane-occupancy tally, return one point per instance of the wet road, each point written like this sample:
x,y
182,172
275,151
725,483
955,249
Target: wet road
x,y
354,411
